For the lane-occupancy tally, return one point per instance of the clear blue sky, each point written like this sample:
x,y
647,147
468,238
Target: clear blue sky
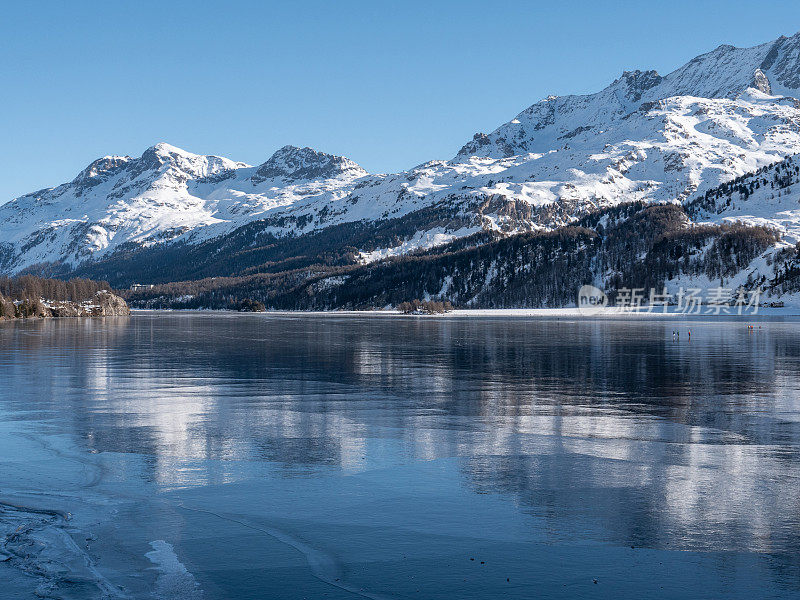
x,y
388,84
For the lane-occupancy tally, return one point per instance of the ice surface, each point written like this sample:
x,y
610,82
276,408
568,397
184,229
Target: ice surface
x,y
283,456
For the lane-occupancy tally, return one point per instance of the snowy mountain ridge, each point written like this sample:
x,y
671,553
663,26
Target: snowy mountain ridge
x,y
645,137
724,73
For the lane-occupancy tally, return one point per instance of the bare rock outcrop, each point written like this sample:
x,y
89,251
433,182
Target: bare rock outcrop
x,y
109,305
102,304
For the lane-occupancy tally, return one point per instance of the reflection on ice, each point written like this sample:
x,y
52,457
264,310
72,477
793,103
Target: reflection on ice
x,y
604,432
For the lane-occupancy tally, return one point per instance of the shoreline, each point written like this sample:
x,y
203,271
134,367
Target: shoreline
x,y
102,304
535,313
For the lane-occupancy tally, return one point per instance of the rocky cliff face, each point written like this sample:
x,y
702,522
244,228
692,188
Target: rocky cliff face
x,y
103,304
109,305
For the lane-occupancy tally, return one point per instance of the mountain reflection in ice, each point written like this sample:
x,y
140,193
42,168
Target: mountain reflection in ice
x,y
605,430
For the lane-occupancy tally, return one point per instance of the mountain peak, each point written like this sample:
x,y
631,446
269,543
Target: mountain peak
x,y
164,156
291,162
165,148
100,169
162,152
727,71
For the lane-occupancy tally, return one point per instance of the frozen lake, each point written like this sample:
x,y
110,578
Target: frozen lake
x,y
227,456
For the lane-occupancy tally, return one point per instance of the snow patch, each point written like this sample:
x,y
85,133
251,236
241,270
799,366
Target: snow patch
x,y
174,581
422,240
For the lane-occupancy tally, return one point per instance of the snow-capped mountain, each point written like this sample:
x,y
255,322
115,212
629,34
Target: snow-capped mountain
x,y
645,137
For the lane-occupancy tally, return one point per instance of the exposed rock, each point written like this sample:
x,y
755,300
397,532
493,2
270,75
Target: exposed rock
x,y
103,304
761,83
109,305
65,309
292,163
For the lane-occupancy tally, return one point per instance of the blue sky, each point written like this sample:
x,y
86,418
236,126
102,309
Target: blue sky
x,y
388,84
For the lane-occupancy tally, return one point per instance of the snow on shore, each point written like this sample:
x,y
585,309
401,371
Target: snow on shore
x,y
543,313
